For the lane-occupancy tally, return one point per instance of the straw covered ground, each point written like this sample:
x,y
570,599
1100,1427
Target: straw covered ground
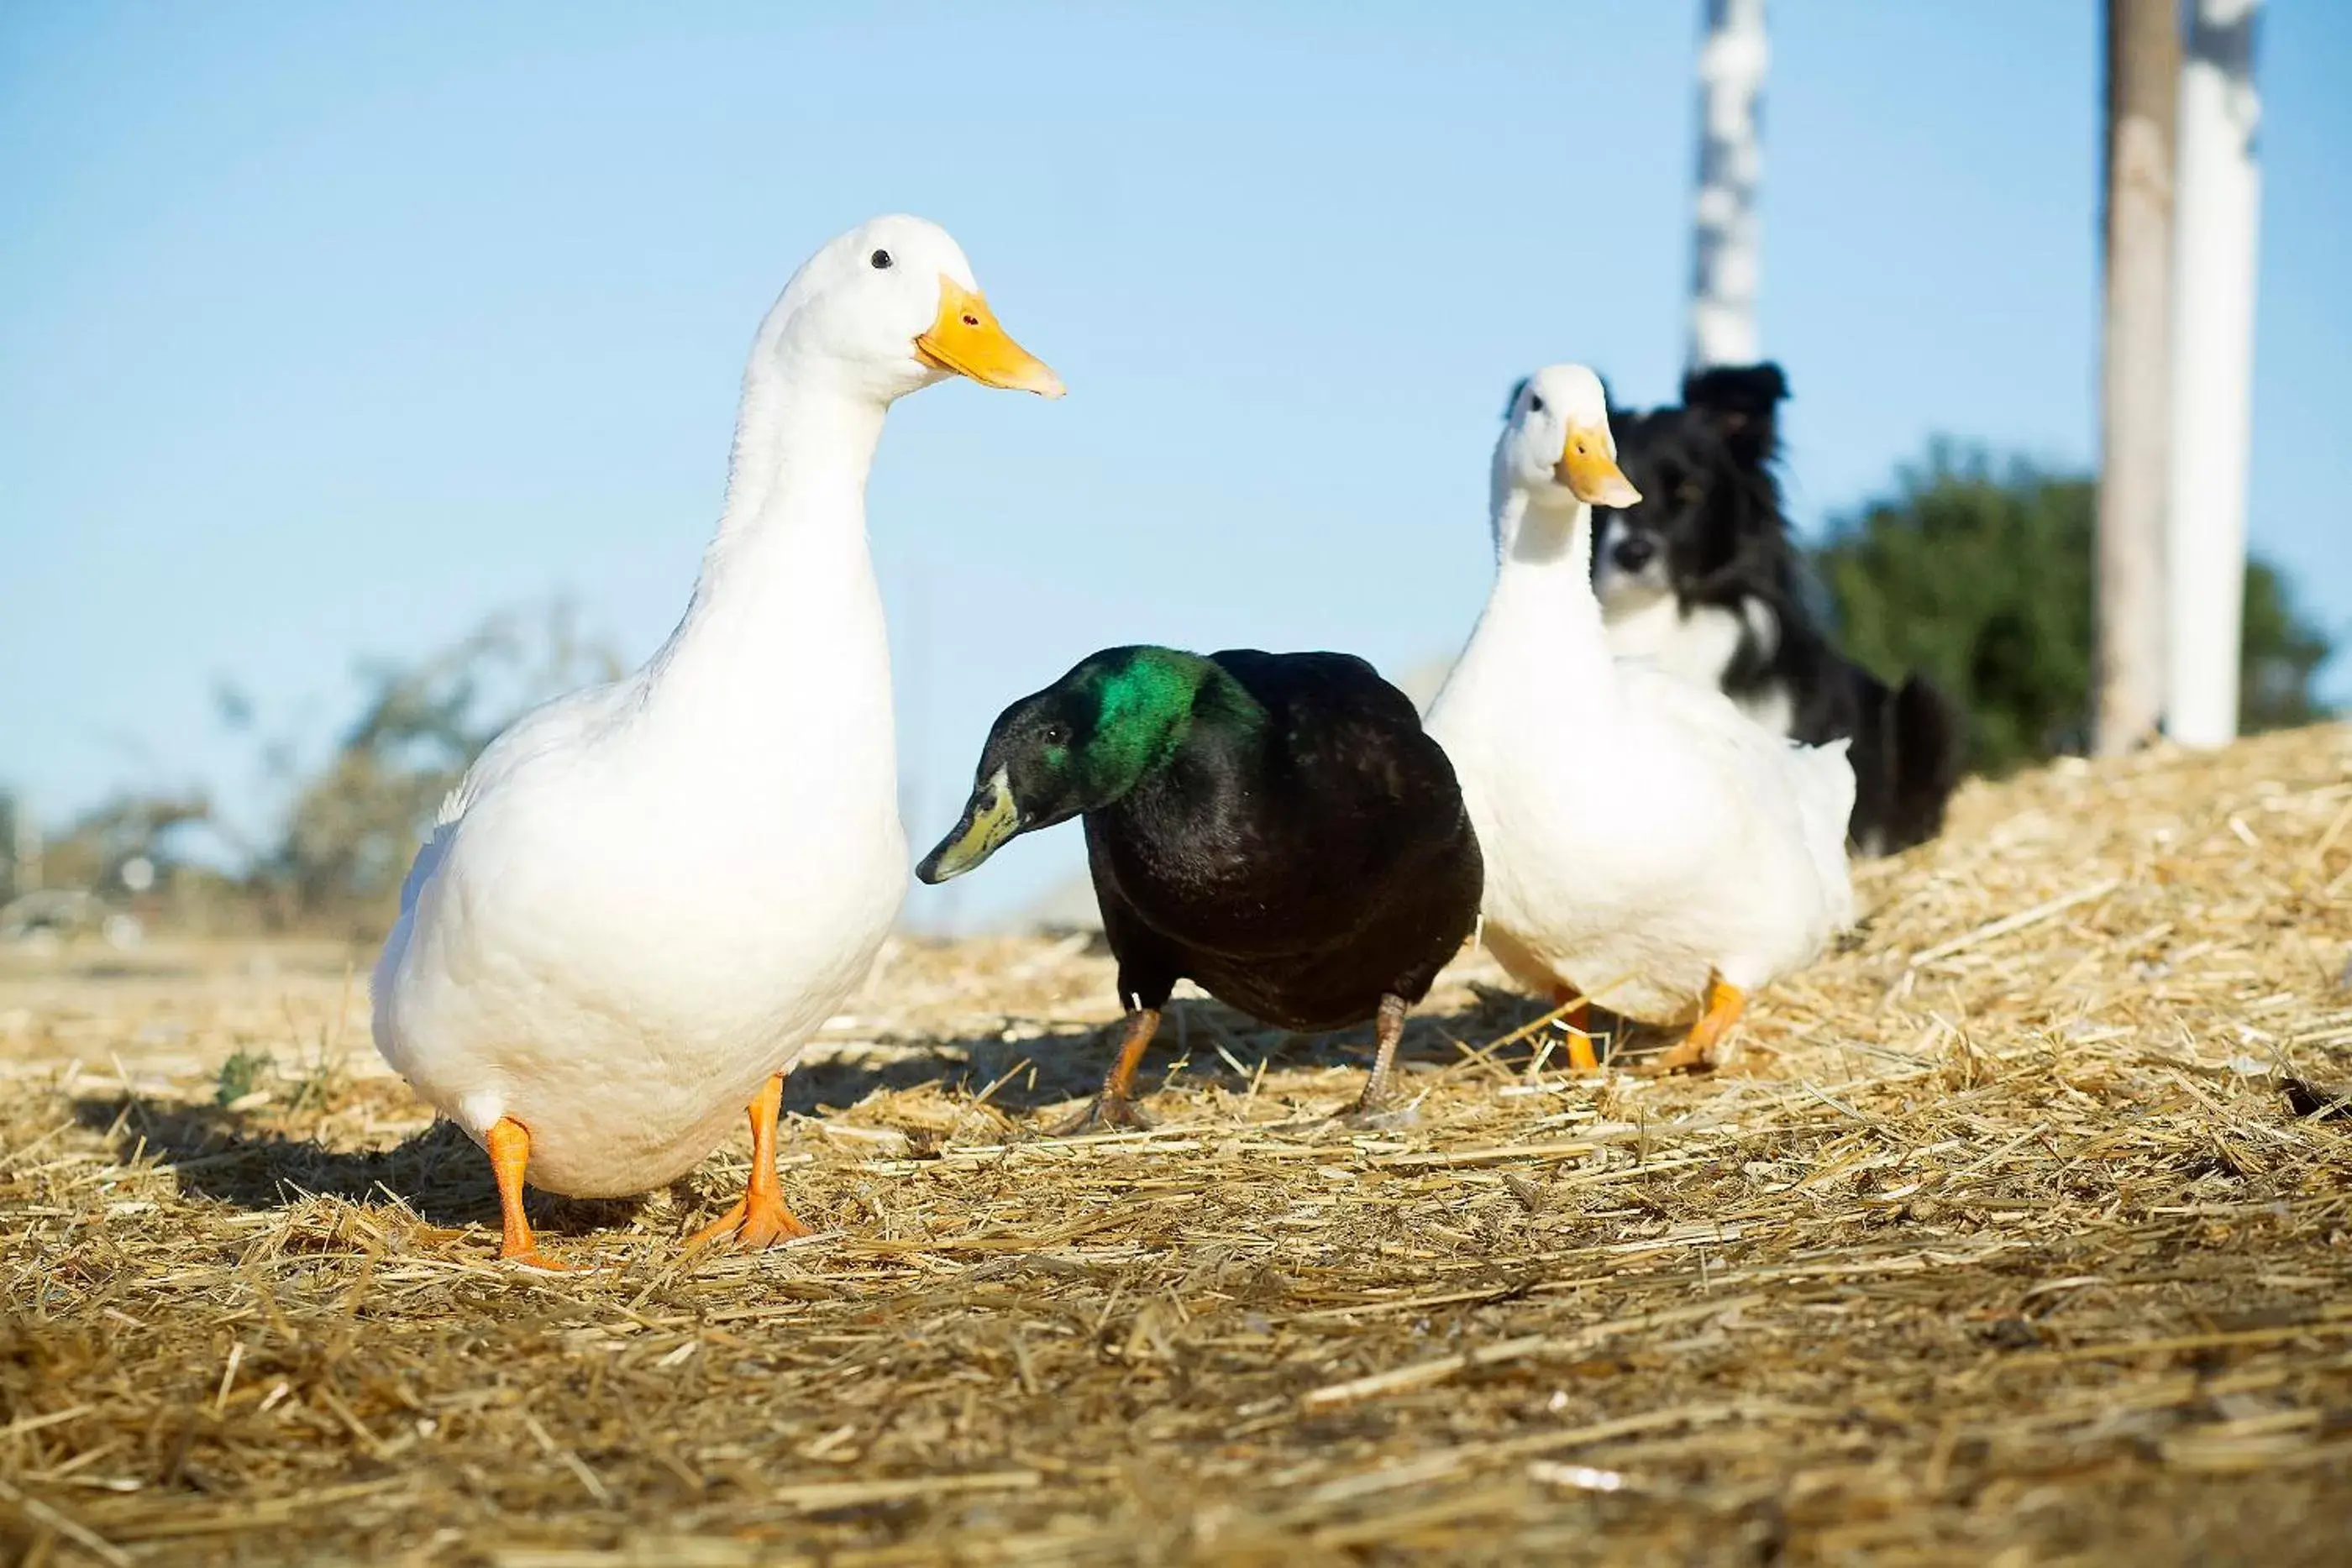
x,y
2016,1232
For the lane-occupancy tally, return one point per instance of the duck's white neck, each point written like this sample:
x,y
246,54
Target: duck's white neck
x,y
1543,570
783,652
1537,655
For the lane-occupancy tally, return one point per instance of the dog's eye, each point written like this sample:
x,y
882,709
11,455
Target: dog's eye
x,y
1690,491
1535,403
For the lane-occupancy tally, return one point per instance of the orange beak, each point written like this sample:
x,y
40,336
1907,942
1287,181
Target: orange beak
x,y
966,341
1590,472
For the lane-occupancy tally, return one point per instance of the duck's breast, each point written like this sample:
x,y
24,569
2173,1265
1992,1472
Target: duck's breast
x,y
1624,862
619,970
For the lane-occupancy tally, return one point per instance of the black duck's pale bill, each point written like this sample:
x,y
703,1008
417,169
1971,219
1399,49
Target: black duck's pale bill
x,y
990,818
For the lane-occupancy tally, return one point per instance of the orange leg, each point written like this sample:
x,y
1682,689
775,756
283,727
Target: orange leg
x,y
1579,1020
1115,1106
759,1218
1697,1052
509,1145
1119,1082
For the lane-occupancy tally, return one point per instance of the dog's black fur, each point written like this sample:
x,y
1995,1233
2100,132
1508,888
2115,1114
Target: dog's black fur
x,y
1709,536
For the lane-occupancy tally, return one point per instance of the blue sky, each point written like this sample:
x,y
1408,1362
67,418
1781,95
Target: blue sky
x,y
326,330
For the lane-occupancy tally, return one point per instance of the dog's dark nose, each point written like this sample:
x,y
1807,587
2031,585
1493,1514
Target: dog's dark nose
x,y
1635,551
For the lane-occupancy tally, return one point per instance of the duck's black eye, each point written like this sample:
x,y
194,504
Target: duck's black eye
x,y
1057,734
879,259
1535,402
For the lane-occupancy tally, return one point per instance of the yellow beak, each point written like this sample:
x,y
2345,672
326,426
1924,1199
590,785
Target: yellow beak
x,y
1592,474
966,340
990,818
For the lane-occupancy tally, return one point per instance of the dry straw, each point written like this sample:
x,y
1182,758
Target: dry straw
x,y
2015,1232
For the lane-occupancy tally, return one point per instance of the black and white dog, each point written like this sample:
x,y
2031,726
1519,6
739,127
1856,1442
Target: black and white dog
x,y
1701,578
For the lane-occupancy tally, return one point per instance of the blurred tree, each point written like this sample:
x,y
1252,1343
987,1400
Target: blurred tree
x,y
353,825
20,847
138,832
2280,656
1982,579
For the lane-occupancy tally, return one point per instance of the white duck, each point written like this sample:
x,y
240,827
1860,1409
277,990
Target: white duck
x,y
1648,847
646,896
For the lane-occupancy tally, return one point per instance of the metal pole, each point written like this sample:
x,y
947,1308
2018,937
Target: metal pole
x,y
1727,262
2213,368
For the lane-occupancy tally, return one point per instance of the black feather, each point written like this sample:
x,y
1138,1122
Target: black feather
x,y
1274,827
1299,872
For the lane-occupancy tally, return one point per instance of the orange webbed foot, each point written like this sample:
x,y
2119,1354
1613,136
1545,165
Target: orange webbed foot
x,y
539,1262
509,1142
1695,1051
1106,1112
757,1220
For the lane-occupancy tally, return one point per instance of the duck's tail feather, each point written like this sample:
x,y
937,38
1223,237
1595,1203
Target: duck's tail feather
x,y
427,861
1824,803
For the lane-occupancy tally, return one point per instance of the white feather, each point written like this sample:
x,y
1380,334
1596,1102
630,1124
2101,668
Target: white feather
x,y
1642,835
646,896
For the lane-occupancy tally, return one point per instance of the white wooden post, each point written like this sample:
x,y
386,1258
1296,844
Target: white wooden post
x,y
1726,263
2135,402
2217,225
